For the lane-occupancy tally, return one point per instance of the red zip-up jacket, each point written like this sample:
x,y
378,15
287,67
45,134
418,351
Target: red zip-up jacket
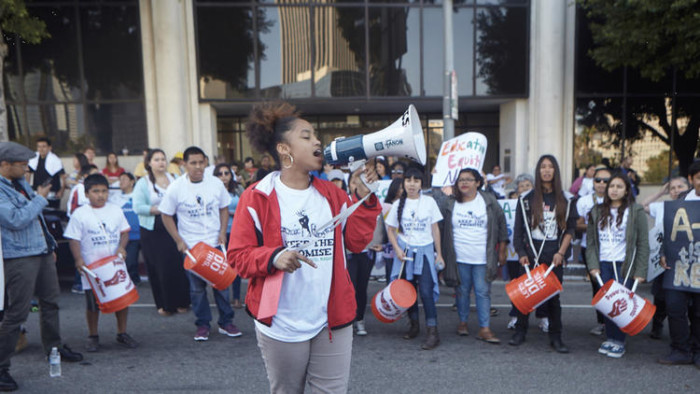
x,y
256,239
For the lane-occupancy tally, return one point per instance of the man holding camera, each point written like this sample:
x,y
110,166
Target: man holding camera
x,y
29,260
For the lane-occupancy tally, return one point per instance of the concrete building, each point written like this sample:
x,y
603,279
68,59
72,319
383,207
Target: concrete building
x,y
124,75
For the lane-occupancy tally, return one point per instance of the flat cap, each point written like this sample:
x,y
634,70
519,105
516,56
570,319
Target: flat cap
x,y
12,151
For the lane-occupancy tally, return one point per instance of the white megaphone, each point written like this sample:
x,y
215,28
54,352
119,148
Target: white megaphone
x,y
403,138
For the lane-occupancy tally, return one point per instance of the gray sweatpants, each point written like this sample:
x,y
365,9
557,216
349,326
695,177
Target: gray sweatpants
x,y
323,364
26,277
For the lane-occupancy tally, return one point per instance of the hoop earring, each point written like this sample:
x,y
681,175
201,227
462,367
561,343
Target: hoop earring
x,y
291,162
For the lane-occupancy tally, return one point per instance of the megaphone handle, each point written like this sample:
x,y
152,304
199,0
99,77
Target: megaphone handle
x,y
600,280
527,271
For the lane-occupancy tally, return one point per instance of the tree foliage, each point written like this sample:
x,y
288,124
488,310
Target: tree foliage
x,y
652,36
14,18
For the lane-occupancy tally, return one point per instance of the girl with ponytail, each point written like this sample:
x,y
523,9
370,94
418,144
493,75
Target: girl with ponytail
x,y
412,229
298,291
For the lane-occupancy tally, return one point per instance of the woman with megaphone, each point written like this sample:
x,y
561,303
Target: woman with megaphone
x,y
289,238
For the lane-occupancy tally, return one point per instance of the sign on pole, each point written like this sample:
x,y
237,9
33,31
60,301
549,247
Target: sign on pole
x,y
682,245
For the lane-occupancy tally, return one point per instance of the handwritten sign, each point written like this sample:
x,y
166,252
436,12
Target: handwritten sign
x,y
656,236
464,151
509,207
682,245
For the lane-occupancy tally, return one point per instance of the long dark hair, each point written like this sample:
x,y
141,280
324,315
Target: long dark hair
x,y
606,206
82,160
538,199
455,188
393,192
414,173
231,186
147,166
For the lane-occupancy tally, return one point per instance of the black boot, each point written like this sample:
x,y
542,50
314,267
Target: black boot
x,y
413,331
558,345
518,339
432,340
6,381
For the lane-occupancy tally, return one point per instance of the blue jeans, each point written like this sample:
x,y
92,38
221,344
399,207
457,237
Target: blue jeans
x,y
612,331
473,275
425,284
236,288
200,303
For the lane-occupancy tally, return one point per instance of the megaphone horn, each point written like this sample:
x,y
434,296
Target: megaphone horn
x,y
403,138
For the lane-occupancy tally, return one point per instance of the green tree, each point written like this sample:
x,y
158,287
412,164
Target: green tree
x,y
14,18
656,38
657,168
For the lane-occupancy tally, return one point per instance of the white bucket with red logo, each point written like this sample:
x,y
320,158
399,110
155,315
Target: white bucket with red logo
x,y
626,309
111,284
391,302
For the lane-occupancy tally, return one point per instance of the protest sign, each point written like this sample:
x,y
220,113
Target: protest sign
x,y
509,207
656,236
465,150
682,245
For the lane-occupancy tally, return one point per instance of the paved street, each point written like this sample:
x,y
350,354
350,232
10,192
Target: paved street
x,y
169,360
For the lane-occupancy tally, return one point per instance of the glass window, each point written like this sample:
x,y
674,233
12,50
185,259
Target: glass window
x,y
590,78
61,122
226,44
16,124
112,52
638,84
433,52
117,126
463,38
394,51
502,45
339,66
11,78
285,56
51,71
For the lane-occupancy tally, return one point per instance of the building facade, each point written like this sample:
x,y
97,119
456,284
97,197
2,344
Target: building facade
x,y
125,75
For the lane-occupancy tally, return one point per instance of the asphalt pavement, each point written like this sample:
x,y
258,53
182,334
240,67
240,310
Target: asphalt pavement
x,y
169,360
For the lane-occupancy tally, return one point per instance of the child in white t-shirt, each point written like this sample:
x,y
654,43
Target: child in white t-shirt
x,y
414,219
96,231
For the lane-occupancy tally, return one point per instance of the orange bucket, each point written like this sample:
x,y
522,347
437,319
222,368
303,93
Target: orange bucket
x,y
624,307
111,284
391,302
210,265
533,289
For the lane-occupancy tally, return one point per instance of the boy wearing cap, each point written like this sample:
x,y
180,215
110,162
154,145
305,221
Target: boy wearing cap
x,y
29,260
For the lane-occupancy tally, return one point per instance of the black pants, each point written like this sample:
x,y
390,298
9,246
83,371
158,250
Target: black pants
x,y
359,267
684,337
594,286
657,290
553,307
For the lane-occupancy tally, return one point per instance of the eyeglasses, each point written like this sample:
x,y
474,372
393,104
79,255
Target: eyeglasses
x,y
222,173
466,180
397,172
601,180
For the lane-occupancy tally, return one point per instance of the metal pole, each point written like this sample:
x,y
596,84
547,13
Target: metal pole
x,y
448,101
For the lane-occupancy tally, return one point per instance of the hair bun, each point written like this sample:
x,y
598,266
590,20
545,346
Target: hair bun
x,y
262,128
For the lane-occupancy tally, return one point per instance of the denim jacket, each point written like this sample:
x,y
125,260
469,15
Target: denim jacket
x,y
21,222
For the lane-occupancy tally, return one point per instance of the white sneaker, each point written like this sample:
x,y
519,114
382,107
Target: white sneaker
x,y
544,324
511,323
360,327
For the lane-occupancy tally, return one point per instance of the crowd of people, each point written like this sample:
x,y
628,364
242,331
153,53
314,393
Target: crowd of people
x,y
304,227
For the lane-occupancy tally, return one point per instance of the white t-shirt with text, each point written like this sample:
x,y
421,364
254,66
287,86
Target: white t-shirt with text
x,y
302,311
499,185
584,205
197,208
98,230
417,219
612,238
470,224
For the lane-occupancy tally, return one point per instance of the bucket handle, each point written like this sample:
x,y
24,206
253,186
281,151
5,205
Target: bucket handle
x,y
527,271
634,287
600,280
90,273
549,270
187,252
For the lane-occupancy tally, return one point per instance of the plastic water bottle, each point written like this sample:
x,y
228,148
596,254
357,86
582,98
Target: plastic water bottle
x,y
54,363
